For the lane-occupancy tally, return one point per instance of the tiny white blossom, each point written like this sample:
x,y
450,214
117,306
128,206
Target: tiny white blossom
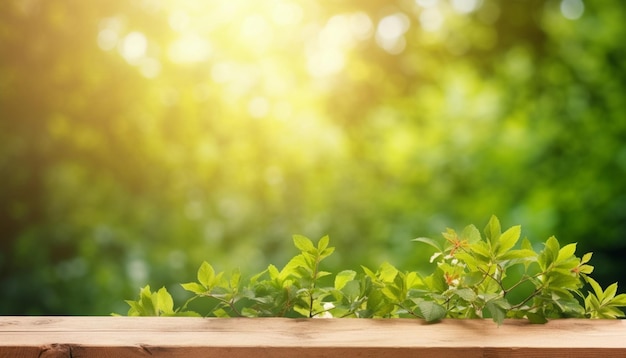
x,y
326,314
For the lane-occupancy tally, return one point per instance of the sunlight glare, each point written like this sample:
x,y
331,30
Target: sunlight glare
x,y
189,48
427,3
572,9
361,25
287,13
179,20
390,32
256,32
431,19
133,47
465,6
258,107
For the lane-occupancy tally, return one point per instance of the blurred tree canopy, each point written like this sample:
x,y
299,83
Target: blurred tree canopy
x,y
138,138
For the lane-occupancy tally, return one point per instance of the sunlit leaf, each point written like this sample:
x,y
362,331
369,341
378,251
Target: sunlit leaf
x,y
206,274
343,277
493,231
303,243
508,239
430,242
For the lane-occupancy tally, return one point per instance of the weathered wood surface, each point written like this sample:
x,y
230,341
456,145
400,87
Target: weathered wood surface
x,y
278,337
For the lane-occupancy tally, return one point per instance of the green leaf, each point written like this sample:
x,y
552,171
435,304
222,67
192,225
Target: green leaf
x,y
596,288
586,258
493,231
536,318
351,290
609,293
518,254
235,278
323,243
498,309
508,239
413,279
206,275
194,287
165,301
387,273
431,311
566,252
466,294
550,253
303,243
619,300
430,242
343,277
146,301
471,234
481,248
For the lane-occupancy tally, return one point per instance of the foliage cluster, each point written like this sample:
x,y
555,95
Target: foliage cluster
x,y
469,281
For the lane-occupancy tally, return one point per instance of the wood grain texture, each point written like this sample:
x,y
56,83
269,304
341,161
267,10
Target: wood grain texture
x,y
279,337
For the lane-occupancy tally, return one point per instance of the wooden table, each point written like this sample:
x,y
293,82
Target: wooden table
x,y
281,337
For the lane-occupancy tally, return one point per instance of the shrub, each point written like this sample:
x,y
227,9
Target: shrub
x,y
471,279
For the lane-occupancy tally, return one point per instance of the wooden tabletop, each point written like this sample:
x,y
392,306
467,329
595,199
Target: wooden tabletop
x,y
301,338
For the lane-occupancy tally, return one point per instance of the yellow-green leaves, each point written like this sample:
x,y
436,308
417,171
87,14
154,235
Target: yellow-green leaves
x,y
604,303
159,303
472,279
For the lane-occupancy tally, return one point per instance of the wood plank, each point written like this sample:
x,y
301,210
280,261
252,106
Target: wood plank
x,y
280,337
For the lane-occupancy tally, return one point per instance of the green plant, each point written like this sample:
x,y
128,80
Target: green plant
x,y
476,276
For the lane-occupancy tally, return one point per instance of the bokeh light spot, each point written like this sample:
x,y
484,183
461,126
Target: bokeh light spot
x,y
431,19
189,48
465,6
133,47
390,32
572,9
259,107
286,13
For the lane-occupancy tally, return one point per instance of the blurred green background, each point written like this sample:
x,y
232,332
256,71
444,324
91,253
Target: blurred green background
x,y
140,137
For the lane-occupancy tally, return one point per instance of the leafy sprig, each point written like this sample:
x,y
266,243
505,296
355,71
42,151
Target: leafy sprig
x,y
493,275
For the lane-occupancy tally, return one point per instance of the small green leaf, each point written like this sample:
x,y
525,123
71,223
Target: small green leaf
x,y
609,293
493,231
430,242
466,294
566,252
508,239
194,287
471,234
303,243
498,309
323,243
550,253
387,273
431,311
586,258
619,300
596,288
165,301
343,277
481,248
235,278
518,254
206,275
536,318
